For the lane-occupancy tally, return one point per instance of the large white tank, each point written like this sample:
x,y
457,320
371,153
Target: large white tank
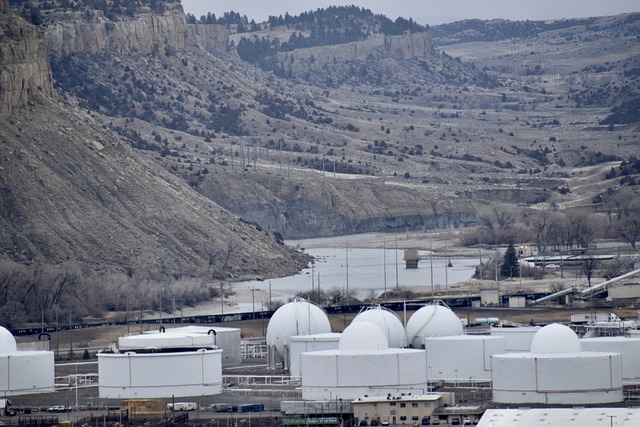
x,y
389,322
516,339
629,348
556,371
135,375
464,358
304,343
363,365
433,320
295,318
24,372
226,339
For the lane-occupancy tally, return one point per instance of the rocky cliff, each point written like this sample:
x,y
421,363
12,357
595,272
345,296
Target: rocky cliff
x,y
209,37
90,31
24,67
408,46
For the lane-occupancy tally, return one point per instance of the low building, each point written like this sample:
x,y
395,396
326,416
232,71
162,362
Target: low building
x,y
399,410
565,417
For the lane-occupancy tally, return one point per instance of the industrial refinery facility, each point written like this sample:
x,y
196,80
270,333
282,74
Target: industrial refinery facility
x,y
377,371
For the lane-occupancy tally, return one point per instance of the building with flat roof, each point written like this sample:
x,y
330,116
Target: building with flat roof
x,y
565,417
399,410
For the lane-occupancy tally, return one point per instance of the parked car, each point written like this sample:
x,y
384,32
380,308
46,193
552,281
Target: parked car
x,y
385,422
552,266
466,421
455,421
374,423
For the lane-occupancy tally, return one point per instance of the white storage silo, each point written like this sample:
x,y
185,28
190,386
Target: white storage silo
x,y
433,320
388,321
556,371
629,348
305,343
362,365
465,358
516,339
299,317
163,374
24,372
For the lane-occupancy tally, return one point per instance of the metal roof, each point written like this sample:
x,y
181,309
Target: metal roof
x,y
565,417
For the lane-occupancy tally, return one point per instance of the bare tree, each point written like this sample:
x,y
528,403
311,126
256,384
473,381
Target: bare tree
x,y
589,265
629,228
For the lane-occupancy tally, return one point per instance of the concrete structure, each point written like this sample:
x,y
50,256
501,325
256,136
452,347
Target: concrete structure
x,y
296,318
411,258
629,348
490,297
556,371
305,343
565,417
24,372
226,339
516,339
627,290
161,365
465,358
388,321
400,409
363,365
433,320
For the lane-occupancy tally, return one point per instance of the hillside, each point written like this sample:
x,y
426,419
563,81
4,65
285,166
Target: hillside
x,y
155,148
83,214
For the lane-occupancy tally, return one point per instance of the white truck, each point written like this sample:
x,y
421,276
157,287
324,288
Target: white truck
x,y
182,406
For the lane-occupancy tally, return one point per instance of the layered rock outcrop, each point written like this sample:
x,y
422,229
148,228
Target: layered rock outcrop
x,y
210,37
91,32
24,66
408,46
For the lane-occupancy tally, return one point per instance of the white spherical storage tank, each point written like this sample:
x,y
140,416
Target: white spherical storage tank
x,y
24,372
557,371
226,339
629,348
362,365
305,343
433,320
134,375
464,358
295,318
388,321
516,339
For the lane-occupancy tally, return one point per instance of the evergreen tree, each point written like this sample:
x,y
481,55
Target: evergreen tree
x,y
510,263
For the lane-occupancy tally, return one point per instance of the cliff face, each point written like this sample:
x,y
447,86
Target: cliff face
x,y
92,32
209,37
24,67
409,46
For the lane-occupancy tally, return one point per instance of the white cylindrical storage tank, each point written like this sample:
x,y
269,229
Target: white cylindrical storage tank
x,y
629,348
363,365
295,318
24,372
306,343
134,375
226,339
465,358
389,322
433,320
516,339
556,371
